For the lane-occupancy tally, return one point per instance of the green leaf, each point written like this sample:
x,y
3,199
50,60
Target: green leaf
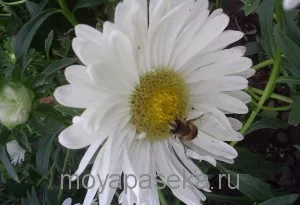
x,y
265,11
294,117
285,79
87,3
33,8
254,164
22,139
272,123
4,135
251,6
297,147
281,200
7,164
69,110
252,187
288,48
57,65
236,200
26,34
43,154
48,43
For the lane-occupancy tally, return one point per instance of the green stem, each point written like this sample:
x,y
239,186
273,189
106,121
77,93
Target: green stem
x,y
217,3
63,171
177,202
273,95
263,64
281,108
162,198
52,175
67,13
272,80
266,93
15,3
253,95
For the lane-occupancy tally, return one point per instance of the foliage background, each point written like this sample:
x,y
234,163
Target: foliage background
x,y
35,39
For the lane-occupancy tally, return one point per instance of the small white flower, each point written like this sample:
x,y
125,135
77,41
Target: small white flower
x,y
290,4
137,78
15,151
15,104
68,201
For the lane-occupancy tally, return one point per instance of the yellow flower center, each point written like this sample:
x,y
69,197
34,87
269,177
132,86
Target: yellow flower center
x,y
160,98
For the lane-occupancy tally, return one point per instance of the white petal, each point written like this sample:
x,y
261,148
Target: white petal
x,y
225,39
91,34
177,149
105,113
67,201
138,161
90,53
290,4
208,33
226,67
241,95
211,58
110,78
247,73
219,84
90,153
223,102
75,137
123,56
187,194
76,97
166,33
211,110
236,124
77,75
214,146
209,125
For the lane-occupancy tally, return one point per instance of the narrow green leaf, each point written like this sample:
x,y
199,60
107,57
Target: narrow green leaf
x,y
57,65
26,34
294,117
7,164
265,11
297,147
87,3
288,48
48,44
272,123
33,8
285,79
69,110
4,135
251,6
43,154
236,200
281,200
252,187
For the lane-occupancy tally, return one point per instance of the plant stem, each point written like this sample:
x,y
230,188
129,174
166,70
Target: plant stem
x,y
52,175
281,108
217,3
67,13
162,198
63,171
272,80
273,95
15,3
263,64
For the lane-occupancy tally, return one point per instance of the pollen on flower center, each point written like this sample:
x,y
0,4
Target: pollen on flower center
x,y
161,97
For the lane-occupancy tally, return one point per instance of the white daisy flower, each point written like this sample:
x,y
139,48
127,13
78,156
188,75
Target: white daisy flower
x,y
137,79
15,151
68,201
290,4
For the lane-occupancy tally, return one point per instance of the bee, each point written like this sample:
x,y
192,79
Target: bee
x,y
185,130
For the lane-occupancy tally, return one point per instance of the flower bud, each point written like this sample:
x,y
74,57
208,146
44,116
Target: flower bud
x,y
15,104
